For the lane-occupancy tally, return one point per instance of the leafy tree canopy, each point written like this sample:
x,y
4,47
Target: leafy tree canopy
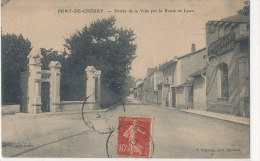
x,y
52,55
14,52
106,47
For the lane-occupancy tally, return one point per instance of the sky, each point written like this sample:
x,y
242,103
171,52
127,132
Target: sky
x,y
159,35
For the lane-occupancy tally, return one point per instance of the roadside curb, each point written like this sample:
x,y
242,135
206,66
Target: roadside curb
x,y
234,119
56,113
224,119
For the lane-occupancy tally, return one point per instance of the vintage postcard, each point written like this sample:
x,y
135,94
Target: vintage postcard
x,y
125,79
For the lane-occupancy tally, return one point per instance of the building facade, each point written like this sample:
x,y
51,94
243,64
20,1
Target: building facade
x,y
215,78
140,91
227,72
199,89
183,84
178,80
152,86
168,70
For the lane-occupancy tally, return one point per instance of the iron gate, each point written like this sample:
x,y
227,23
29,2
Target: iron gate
x,y
45,95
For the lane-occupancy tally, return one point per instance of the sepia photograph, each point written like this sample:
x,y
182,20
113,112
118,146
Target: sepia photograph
x,y
125,79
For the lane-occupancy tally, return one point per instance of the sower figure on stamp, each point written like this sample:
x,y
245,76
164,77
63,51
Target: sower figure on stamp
x,y
134,146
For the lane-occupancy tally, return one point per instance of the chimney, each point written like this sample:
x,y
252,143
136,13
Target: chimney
x,y
193,48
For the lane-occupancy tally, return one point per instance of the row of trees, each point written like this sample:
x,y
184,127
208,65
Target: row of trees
x,y
14,51
100,44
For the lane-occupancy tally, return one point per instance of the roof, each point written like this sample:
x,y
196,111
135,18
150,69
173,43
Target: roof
x,y
175,60
168,63
179,85
150,70
198,72
156,70
159,84
236,18
141,84
189,54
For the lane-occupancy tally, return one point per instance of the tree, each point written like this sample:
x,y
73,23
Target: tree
x,y
14,53
106,47
130,84
67,81
52,55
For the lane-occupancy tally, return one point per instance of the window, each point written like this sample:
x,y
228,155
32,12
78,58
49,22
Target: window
x,y
223,80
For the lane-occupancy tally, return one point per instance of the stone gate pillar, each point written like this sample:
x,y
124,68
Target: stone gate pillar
x,y
55,86
34,82
98,84
93,87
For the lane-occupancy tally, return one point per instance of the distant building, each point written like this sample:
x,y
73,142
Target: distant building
x,y
177,88
182,90
140,91
135,89
168,70
135,92
152,87
227,72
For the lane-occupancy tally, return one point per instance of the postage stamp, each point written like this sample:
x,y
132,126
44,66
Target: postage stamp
x,y
134,136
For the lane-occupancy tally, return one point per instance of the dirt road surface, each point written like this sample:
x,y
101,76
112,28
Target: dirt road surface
x,y
175,134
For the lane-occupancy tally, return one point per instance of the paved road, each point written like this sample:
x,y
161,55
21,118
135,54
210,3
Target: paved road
x,y
175,134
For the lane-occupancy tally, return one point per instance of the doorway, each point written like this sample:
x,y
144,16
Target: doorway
x,y
173,98
190,97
